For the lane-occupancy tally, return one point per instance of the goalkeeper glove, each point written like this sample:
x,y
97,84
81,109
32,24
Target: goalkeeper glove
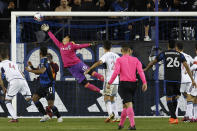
x,y
45,27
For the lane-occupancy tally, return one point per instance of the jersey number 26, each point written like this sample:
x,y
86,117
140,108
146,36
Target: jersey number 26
x,y
172,62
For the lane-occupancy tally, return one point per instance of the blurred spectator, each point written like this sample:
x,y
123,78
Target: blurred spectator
x,y
54,4
102,5
119,5
141,5
39,5
88,5
76,5
63,6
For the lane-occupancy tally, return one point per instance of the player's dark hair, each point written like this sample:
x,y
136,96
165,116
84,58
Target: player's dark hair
x,y
126,47
107,45
171,44
43,50
49,56
179,45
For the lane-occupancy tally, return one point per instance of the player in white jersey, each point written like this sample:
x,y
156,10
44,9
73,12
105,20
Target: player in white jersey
x,y
16,83
109,58
194,90
186,84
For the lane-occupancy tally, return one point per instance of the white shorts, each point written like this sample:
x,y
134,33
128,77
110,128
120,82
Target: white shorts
x,y
185,87
17,86
114,89
194,91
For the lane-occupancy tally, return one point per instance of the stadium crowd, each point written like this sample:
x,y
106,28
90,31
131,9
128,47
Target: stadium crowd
x,y
6,6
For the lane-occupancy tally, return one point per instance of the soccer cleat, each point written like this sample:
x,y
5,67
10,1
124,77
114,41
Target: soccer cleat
x,y
185,119
48,111
45,118
175,121
120,127
109,118
170,119
116,120
131,128
59,119
13,120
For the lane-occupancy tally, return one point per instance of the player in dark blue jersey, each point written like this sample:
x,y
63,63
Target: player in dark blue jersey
x,y
172,75
47,86
2,98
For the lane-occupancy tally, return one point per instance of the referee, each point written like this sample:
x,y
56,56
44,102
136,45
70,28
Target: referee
x,y
172,65
127,66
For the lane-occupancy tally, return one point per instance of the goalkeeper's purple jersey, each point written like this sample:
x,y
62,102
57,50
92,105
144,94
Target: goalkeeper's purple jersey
x,y
68,51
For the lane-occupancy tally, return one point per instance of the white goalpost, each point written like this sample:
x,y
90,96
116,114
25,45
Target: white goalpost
x,y
14,16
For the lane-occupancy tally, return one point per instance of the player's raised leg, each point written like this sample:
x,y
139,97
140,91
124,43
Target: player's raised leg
x,y
40,107
12,90
114,103
109,108
51,98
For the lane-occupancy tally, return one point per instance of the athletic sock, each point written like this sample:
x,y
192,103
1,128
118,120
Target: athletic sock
x,y
175,106
189,110
3,106
130,114
123,116
171,109
55,111
108,107
98,76
195,111
11,110
114,109
40,107
92,87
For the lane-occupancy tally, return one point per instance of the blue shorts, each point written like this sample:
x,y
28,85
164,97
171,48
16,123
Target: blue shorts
x,y
78,70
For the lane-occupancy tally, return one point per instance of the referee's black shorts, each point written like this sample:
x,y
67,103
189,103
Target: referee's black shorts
x,y
127,90
172,89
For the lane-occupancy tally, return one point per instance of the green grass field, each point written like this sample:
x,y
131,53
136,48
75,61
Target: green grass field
x,y
92,124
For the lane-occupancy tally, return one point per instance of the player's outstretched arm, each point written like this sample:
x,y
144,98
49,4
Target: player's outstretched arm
x,y
93,66
142,76
2,85
150,64
37,72
189,73
45,28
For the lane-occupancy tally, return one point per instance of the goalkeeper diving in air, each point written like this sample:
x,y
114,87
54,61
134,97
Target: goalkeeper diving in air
x,y
75,66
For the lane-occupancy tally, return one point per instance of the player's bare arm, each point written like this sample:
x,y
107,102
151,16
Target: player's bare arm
x,y
93,66
151,64
38,71
2,85
189,73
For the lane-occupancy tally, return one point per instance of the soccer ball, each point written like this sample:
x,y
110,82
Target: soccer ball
x,y
38,17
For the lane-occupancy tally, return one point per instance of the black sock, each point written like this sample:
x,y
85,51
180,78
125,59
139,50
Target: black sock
x,y
2,103
40,107
171,109
175,106
55,111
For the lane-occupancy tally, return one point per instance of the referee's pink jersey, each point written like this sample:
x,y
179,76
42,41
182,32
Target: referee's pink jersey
x,y
127,66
